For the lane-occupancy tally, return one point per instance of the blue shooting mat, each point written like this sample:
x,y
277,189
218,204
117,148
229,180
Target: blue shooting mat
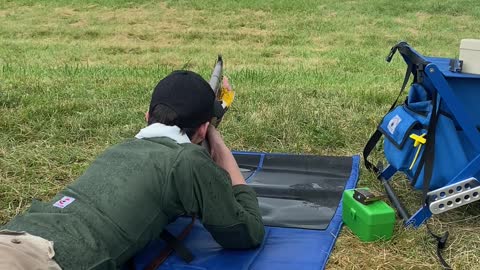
x,y
300,200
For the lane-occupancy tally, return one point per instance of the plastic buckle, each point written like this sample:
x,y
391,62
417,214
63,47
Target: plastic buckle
x,y
392,52
394,49
390,55
456,65
420,72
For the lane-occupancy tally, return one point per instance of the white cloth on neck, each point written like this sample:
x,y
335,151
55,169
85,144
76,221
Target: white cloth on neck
x,y
161,130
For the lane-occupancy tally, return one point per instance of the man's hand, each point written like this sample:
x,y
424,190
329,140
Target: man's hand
x,y
226,95
226,84
217,145
223,156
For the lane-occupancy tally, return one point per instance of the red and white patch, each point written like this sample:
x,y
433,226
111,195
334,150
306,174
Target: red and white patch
x,y
64,202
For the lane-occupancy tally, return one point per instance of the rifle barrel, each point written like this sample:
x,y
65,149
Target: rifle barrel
x,y
216,78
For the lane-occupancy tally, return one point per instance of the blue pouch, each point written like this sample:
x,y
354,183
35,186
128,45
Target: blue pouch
x,y
409,123
397,126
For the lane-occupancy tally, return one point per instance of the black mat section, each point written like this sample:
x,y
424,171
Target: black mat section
x,y
296,191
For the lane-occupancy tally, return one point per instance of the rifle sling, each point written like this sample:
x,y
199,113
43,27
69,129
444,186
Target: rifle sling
x,y
173,243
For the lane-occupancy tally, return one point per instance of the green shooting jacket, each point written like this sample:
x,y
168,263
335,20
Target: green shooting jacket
x,y
130,193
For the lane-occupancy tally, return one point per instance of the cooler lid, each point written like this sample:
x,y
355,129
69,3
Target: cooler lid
x,y
470,44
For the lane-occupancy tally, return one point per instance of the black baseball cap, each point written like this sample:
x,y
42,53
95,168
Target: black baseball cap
x,y
189,95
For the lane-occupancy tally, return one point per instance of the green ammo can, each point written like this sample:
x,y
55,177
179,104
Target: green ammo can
x,y
370,222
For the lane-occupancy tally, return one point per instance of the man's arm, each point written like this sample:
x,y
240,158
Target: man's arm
x,y
223,156
230,213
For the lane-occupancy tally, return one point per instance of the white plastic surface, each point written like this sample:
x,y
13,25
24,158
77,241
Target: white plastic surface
x,y
470,54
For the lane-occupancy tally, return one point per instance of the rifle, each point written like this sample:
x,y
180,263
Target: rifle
x,y
225,96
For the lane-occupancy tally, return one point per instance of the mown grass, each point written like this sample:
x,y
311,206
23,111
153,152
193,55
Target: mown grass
x,y
310,76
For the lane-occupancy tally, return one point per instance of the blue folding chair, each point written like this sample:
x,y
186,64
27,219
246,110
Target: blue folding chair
x,y
447,167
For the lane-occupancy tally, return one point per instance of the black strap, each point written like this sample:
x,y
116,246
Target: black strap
x,y
441,242
409,54
182,251
372,142
429,158
429,153
173,243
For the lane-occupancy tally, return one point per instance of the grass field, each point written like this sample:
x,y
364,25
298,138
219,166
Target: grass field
x,y
310,76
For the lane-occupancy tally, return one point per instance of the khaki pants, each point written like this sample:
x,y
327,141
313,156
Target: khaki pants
x,y
23,251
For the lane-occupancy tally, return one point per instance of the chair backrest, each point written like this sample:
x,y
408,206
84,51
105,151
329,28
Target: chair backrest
x,y
459,92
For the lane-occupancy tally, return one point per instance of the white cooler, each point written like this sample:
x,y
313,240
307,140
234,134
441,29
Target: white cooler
x,y
470,54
